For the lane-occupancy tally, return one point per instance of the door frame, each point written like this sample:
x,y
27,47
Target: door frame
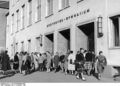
x,y
95,30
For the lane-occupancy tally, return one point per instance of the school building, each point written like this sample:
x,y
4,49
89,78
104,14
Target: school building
x,y
4,5
59,25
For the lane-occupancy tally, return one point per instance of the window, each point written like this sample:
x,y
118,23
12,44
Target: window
x,y
63,4
49,7
23,16
38,9
12,50
12,2
38,44
29,46
115,32
17,20
30,12
12,28
8,25
22,46
16,47
7,28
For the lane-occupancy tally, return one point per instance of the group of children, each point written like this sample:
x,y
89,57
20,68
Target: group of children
x,y
79,64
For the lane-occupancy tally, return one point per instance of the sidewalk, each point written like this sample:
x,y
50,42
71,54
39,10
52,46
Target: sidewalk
x,y
54,77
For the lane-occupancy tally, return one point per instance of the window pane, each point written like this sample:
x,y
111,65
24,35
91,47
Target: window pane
x,y
49,7
116,34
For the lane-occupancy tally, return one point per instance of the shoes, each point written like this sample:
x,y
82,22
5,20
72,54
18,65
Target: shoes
x,y
48,70
83,79
77,77
65,73
99,77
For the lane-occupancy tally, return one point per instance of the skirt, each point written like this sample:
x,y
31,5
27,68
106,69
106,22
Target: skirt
x,y
88,65
79,67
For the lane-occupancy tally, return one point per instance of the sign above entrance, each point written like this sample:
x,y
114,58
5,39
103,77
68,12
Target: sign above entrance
x,y
69,17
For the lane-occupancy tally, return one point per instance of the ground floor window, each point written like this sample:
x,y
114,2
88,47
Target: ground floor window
x,y
29,46
114,31
22,46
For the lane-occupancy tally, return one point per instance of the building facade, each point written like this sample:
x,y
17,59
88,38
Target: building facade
x,y
59,25
3,22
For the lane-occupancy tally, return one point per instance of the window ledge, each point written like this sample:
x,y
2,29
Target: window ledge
x,y
80,1
63,8
29,25
114,48
38,21
11,34
49,15
16,31
22,29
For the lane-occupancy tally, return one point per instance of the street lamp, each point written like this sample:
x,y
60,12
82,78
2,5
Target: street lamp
x,y
100,27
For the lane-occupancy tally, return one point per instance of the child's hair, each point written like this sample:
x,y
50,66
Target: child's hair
x,y
100,52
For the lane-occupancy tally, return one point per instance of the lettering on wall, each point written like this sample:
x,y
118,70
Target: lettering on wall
x,y
69,17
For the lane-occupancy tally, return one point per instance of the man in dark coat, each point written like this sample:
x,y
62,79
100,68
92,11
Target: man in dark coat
x,y
80,64
5,60
62,62
16,62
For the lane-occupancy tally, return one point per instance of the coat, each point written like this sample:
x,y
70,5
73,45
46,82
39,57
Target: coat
x,y
101,62
16,62
48,65
71,59
5,61
56,61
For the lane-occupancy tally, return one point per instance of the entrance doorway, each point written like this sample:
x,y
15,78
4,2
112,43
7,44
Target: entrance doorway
x,y
49,43
88,30
64,41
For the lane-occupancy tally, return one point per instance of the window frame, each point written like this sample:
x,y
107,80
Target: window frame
x,y
12,28
23,16
29,12
63,5
38,10
112,43
49,8
17,20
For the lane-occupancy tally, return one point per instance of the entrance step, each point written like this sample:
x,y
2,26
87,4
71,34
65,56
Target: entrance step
x,y
109,72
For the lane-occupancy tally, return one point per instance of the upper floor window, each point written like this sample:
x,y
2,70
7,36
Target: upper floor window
x,y
17,20
23,16
49,7
12,2
115,31
38,9
12,28
63,4
30,12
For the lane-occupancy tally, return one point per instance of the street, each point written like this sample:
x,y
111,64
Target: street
x,y
38,77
